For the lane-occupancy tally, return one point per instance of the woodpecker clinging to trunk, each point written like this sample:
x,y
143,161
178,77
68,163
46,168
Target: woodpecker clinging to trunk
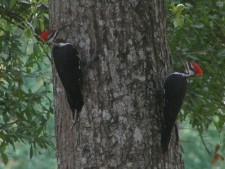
x,y
175,88
67,64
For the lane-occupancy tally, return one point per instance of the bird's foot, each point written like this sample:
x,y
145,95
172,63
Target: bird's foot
x,y
94,58
75,117
150,91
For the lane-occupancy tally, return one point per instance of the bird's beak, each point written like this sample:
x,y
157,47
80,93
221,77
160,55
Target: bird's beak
x,y
186,66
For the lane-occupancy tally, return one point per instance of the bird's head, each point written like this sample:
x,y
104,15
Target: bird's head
x,y
192,68
49,35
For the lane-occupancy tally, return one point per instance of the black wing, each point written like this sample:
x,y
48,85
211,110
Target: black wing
x,y
67,65
175,89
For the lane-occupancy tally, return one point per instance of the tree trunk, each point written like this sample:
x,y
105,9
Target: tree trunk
x,y
119,126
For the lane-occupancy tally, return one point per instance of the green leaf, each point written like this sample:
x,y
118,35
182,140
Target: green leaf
x,y
31,151
178,21
4,158
12,3
221,52
178,9
198,25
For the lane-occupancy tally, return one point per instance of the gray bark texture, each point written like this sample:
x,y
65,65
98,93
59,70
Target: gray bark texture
x,y
119,126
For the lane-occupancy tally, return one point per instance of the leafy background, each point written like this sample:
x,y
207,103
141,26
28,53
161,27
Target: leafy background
x,y
196,31
25,82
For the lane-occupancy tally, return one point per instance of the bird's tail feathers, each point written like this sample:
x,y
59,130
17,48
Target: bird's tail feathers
x,y
165,138
76,103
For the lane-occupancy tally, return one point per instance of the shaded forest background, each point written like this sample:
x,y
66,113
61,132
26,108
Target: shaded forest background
x,y
196,31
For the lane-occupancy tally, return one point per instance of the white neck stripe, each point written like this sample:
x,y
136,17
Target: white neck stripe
x,y
53,36
63,44
182,74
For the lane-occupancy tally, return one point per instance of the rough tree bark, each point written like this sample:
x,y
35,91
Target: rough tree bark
x,y
119,126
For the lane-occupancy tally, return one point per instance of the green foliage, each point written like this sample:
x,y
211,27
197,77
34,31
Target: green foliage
x,y
178,20
25,89
201,38
195,154
42,158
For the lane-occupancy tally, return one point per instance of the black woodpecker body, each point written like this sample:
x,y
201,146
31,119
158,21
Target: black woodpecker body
x,y
175,88
67,64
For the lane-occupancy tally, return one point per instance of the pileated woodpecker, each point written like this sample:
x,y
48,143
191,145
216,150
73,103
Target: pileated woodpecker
x,y
68,66
175,88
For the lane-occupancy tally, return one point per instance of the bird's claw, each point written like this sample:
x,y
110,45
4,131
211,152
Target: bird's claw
x,y
90,62
150,91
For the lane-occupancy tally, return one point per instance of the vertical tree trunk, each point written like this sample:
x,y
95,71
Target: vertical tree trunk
x,y
119,126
